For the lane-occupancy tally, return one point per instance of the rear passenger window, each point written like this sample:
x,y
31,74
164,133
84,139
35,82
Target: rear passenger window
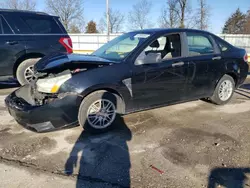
x,y
42,25
199,45
223,46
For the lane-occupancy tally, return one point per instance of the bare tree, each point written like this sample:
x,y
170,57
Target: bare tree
x,y
169,15
182,12
19,4
69,11
116,20
187,18
139,15
203,15
102,25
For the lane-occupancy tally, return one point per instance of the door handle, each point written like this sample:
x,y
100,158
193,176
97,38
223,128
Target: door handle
x,y
11,42
178,64
216,58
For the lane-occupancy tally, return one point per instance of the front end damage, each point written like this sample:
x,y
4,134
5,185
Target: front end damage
x,y
42,106
41,112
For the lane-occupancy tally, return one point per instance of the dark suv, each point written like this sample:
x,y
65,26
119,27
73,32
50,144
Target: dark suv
x,y
25,38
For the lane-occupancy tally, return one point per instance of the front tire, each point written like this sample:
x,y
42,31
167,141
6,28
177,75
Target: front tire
x,y
98,111
224,90
25,72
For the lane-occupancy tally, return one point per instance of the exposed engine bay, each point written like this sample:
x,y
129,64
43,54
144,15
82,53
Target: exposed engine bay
x,y
45,88
41,97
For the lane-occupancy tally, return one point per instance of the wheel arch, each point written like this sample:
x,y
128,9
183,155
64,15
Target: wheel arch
x,y
234,76
231,74
23,58
215,98
121,103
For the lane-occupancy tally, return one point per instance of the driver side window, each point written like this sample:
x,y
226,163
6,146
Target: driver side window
x,y
163,48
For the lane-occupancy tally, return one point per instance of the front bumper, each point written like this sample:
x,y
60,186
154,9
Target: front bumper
x,y
57,114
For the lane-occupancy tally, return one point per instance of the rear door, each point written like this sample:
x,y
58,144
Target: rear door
x,y
219,64
11,46
202,51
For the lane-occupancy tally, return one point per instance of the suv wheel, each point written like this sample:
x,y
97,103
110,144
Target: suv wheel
x,y
224,90
98,111
25,71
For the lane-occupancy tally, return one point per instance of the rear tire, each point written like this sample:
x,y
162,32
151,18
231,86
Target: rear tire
x,y
224,90
100,119
25,73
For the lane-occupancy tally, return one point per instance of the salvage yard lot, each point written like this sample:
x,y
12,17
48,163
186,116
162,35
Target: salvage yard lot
x,y
176,146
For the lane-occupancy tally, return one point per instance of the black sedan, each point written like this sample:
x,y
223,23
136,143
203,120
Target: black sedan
x,y
136,71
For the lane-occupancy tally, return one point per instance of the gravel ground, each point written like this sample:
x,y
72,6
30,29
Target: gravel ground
x,y
194,144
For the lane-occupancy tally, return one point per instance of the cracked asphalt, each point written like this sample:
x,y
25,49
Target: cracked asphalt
x,y
192,145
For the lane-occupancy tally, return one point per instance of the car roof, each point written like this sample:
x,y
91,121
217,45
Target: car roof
x,y
23,12
169,30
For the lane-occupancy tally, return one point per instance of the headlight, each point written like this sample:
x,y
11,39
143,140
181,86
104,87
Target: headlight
x,y
51,85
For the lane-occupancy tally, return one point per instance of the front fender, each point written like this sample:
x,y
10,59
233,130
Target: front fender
x,y
112,80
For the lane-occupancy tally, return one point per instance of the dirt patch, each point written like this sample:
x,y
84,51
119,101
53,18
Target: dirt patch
x,y
140,122
235,108
189,147
71,139
5,133
28,147
4,130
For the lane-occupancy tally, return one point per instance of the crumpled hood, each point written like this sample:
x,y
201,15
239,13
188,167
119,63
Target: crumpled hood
x,y
61,61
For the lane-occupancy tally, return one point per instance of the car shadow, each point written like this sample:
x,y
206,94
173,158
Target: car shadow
x,y
228,178
245,86
244,90
101,160
242,94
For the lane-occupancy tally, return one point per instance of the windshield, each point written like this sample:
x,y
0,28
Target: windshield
x,y
120,47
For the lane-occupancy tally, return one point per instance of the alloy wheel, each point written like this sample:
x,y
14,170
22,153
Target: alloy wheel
x,y
225,90
101,114
29,74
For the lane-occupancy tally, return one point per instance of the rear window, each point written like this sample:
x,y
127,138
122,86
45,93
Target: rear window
x,y
41,25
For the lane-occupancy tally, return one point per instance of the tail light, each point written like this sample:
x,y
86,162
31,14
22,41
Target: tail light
x,y
246,57
67,44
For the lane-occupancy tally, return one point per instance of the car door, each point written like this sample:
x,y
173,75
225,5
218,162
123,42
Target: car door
x,y
157,83
201,51
11,46
217,66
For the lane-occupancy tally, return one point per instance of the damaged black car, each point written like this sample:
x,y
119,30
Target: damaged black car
x,y
136,71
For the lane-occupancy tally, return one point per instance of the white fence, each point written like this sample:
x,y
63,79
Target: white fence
x,y
90,42
241,41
